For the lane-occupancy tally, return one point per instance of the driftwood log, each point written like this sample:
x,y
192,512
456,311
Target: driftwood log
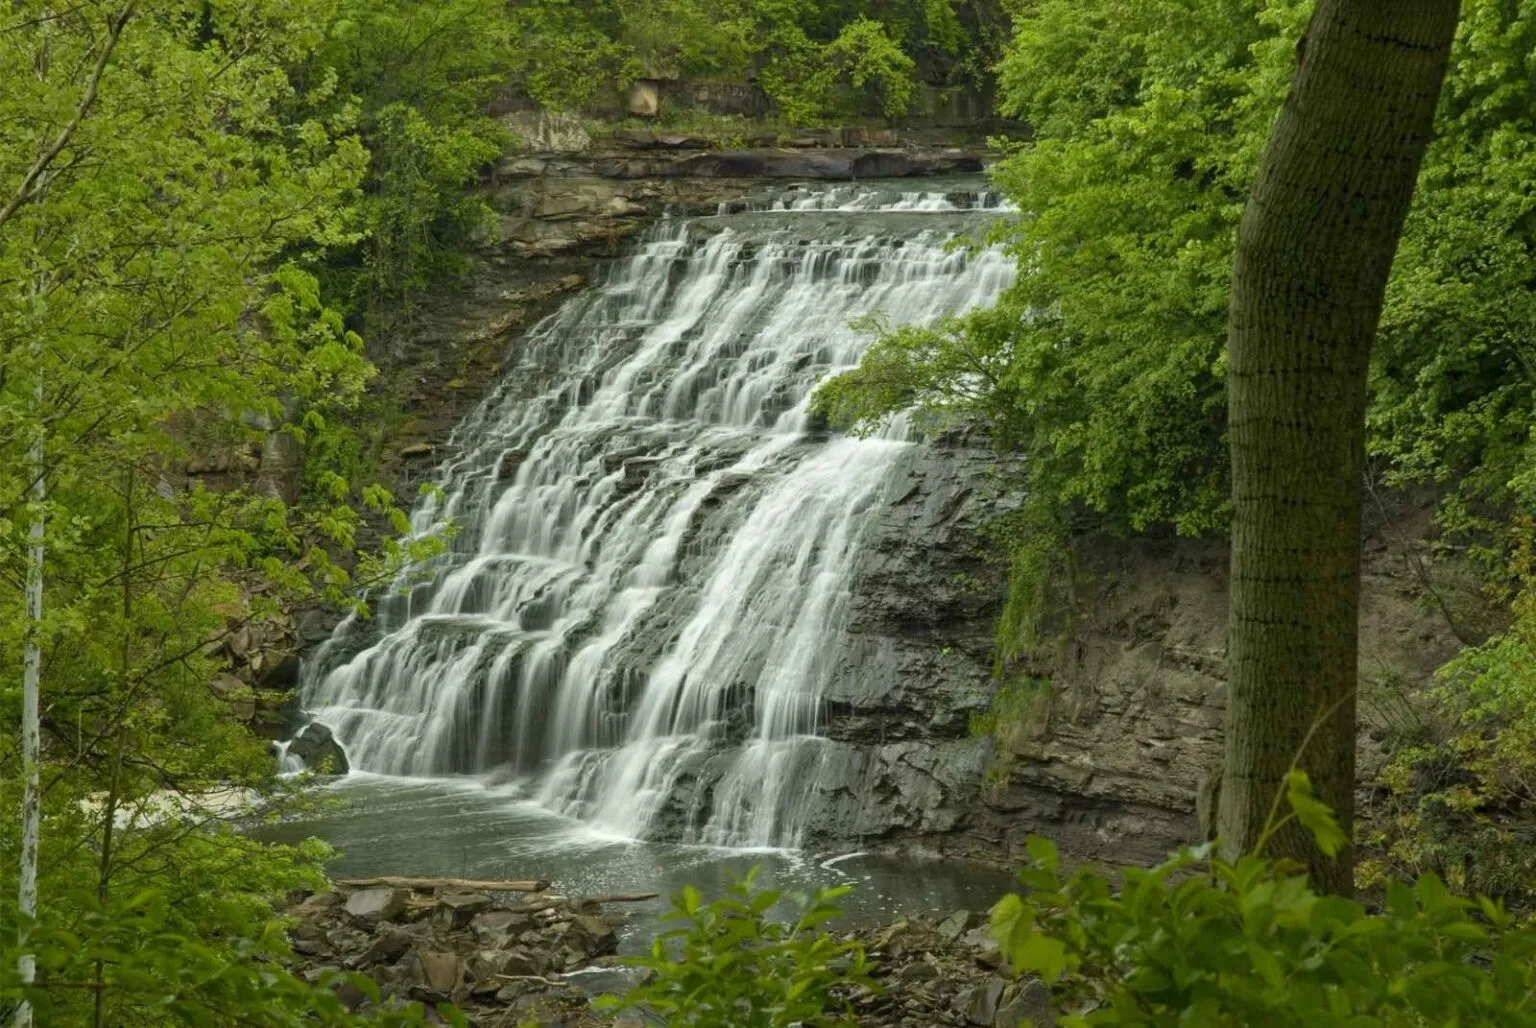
x,y
424,884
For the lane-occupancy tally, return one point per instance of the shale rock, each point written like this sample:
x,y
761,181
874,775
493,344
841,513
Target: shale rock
x,y
370,906
494,955
934,975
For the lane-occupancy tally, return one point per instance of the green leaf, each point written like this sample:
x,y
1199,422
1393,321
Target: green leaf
x,y
1314,815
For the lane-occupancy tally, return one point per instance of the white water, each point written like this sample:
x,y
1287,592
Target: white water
x,y
650,581
852,198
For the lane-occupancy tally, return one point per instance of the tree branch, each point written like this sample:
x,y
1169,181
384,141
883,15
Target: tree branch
x,y
28,188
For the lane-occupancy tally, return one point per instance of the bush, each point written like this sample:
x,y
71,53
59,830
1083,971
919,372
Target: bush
x,y
736,966
1105,363
1462,802
1201,941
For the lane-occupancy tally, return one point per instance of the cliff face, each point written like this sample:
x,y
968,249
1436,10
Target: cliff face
x,y
1107,759
568,198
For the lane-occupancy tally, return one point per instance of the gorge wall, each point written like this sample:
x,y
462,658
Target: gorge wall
x,y
1107,762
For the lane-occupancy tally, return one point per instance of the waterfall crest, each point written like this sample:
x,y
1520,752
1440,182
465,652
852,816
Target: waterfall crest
x,y
650,574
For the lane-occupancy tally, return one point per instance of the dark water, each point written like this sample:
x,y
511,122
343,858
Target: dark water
x,y
463,828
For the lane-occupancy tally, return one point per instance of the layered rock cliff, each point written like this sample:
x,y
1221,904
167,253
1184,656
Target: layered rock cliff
x,y
1108,757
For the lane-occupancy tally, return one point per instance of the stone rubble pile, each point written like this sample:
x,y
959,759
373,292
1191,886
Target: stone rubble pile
x,y
945,973
505,957
493,954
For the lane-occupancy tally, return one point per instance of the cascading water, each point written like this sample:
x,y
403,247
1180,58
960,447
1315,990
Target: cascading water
x,y
650,575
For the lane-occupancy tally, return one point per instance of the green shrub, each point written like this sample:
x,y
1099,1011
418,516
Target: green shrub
x,y
1105,363
1202,941
734,965
1462,802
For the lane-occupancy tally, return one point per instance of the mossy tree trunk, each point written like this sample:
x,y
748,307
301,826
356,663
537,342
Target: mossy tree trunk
x,y
1314,251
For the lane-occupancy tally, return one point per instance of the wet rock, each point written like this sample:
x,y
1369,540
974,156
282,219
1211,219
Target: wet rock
x,y
957,924
317,747
417,450
280,672
440,970
386,946
370,906
457,909
596,936
979,1004
506,467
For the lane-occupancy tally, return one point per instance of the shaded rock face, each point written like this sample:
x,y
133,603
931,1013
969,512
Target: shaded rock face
x,y
1110,764
1110,760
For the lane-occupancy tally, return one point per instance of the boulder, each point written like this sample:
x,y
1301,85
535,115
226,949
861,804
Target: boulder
x,y
644,99
350,995
919,971
281,671
953,927
1026,1003
518,963
383,948
440,970
457,909
317,748
979,1004
370,906
498,924
984,947
225,685
594,936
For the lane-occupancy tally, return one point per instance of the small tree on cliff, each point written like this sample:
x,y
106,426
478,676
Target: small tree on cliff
x,y
1314,250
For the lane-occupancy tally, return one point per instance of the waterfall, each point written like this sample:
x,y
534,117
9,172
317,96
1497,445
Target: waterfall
x,y
650,569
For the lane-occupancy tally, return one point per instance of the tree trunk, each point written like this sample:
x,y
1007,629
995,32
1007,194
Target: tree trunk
x,y
32,657
1314,251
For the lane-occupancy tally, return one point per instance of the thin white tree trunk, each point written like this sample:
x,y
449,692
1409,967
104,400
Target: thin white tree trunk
x,y
32,658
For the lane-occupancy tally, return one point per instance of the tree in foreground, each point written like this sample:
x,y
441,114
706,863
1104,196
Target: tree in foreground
x,y
1314,252
163,201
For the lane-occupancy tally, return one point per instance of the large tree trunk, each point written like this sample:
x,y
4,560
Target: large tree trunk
x,y
1314,250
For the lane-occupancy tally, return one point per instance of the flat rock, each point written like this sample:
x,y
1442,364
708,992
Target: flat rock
x,y
384,947
458,909
979,1004
957,924
440,970
370,906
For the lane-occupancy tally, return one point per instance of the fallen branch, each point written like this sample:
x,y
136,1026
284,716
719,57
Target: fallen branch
x,y
524,978
638,897
422,884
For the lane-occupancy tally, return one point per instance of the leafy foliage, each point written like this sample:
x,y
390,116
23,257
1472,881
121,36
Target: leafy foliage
x,y
736,965
418,76
1104,363
817,61
812,83
167,197
1462,801
1199,940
